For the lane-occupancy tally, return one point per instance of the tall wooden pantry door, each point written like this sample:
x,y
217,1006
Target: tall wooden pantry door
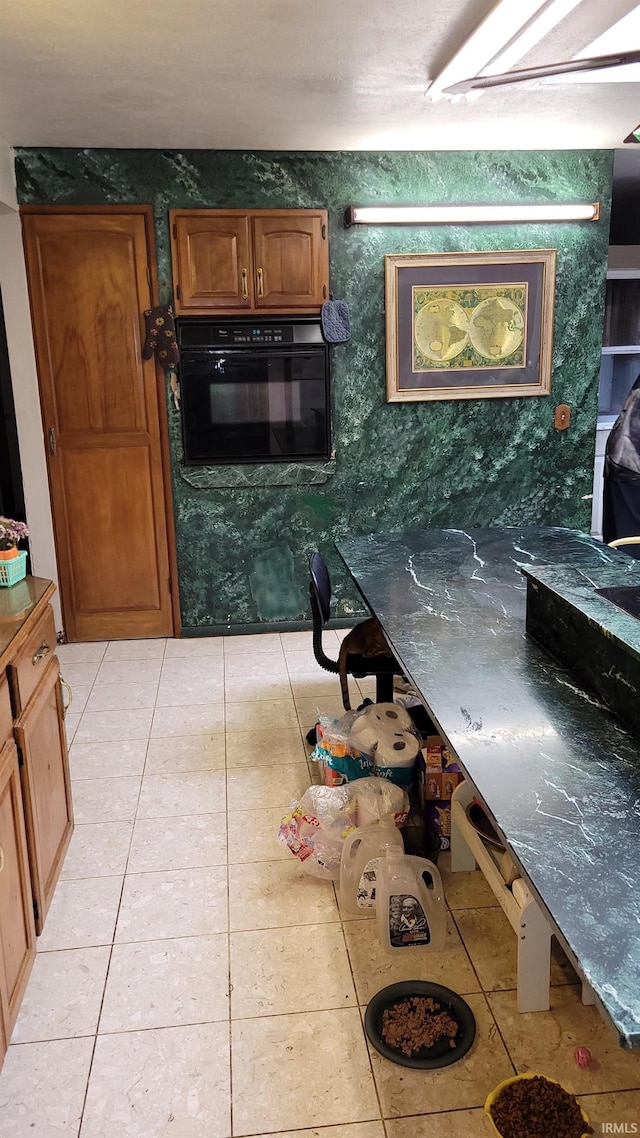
x,y
90,279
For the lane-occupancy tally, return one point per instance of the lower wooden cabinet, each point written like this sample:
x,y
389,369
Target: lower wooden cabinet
x,y
17,932
36,816
46,787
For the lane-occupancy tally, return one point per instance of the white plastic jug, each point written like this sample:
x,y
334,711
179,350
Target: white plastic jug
x,y
410,906
362,851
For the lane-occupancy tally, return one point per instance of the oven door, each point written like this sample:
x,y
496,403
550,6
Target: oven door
x,y
255,406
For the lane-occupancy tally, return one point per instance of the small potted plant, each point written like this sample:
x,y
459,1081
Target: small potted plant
x,y
11,533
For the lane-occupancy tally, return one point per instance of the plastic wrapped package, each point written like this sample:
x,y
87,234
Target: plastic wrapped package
x,y
340,760
386,733
315,827
376,799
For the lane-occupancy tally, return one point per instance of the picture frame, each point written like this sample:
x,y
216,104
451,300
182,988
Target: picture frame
x,y
473,325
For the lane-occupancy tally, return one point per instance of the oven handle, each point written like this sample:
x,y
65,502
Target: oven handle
x,y
282,350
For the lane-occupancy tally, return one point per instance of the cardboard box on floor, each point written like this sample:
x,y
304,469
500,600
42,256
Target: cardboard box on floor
x,y
438,776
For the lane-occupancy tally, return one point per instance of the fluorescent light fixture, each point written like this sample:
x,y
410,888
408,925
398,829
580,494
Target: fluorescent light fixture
x,y
570,68
470,214
509,31
531,34
616,38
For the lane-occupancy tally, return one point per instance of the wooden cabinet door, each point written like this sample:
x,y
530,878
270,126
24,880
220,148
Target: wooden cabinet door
x,y
46,787
17,932
89,280
291,259
211,257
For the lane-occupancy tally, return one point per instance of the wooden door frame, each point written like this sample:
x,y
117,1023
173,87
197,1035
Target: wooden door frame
x,y
146,211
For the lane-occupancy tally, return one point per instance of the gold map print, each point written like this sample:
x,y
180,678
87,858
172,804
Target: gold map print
x,y
475,326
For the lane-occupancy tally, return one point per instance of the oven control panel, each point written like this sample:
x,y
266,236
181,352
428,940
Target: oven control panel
x,y
197,334
255,335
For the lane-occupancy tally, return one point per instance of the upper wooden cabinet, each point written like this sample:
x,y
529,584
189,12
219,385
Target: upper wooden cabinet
x,y
227,261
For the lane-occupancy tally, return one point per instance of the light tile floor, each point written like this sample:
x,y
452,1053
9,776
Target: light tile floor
x,y
193,982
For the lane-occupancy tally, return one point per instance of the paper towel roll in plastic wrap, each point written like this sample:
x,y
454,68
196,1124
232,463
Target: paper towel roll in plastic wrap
x,y
364,735
377,798
389,715
396,750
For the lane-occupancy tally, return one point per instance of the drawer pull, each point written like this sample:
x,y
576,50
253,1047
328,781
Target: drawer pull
x,y
66,706
260,283
42,651
245,290
1,858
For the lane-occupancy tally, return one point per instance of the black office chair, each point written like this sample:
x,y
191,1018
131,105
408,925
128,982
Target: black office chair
x,y
384,668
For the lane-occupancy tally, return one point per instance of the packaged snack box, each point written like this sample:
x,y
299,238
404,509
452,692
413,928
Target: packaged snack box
x,y
438,776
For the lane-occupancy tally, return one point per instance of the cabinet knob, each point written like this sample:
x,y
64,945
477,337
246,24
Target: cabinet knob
x,y
42,651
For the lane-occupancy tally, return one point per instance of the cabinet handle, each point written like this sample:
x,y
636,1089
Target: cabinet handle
x,y
260,283
53,446
1,858
43,650
66,706
245,289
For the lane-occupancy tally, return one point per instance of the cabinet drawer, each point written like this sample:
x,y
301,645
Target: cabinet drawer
x,y
29,665
6,718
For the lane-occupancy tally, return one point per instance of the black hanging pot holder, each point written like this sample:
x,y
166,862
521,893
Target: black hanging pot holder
x,y
336,325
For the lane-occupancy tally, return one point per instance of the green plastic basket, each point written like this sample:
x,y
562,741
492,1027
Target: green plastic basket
x,y
14,570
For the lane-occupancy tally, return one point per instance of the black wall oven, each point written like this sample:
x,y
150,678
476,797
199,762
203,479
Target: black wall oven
x,y
254,390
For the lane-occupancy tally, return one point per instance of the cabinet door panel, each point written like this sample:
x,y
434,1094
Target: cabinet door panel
x,y
89,280
30,663
211,262
17,932
46,787
290,260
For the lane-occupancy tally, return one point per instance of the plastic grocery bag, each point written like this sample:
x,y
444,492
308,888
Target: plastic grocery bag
x,y
315,828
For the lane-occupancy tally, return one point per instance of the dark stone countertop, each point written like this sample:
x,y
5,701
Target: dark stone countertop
x,y
560,775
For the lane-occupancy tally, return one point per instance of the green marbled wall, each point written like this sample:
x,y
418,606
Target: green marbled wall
x,y
242,547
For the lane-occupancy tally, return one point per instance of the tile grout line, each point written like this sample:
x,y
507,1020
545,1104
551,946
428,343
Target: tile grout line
x,y
336,890
117,915
226,800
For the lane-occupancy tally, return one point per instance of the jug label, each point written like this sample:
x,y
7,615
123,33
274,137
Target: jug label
x,y
366,898
408,924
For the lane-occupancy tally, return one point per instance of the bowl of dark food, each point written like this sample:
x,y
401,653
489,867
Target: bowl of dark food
x,y
533,1106
419,1024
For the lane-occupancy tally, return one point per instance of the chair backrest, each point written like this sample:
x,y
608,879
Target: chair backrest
x,y
321,584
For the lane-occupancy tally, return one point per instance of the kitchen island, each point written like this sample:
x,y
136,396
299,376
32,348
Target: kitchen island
x,y
559,774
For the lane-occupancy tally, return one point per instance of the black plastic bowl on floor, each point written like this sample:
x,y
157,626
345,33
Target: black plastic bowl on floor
x,y
427,1058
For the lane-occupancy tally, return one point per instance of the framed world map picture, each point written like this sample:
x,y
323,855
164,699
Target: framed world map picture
x,y
469,325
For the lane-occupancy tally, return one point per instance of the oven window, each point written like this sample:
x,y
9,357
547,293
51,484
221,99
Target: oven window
x,y
262,407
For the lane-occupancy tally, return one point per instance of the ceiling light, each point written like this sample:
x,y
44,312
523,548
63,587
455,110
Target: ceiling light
x,y
598,63
530,35
513,27
470,214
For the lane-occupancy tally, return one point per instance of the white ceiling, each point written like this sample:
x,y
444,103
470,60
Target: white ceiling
x,y
287,75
